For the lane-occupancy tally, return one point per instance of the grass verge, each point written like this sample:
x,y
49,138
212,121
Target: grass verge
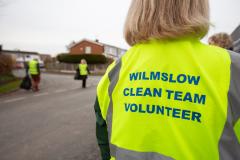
x,y
7,77
10,86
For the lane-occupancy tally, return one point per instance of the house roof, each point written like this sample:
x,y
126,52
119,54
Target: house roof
x,y
17,52
94,42
45,55
236,34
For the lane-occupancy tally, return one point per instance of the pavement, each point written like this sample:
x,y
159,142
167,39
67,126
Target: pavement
x,y
57,123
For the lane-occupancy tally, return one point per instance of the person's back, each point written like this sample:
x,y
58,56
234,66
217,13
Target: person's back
x,y
179,109
169,99
83,69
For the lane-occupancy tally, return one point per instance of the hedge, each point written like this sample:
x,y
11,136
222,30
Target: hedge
x,y
90,58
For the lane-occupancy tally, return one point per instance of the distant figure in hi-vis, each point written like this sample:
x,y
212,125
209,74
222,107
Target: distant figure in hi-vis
x,y
83,71
34,70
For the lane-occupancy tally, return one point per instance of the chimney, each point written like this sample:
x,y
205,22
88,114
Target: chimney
x,y
97,40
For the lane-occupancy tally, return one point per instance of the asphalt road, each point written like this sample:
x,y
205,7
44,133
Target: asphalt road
x,y
57,123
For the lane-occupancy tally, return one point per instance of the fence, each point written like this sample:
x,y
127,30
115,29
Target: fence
x,y
94,69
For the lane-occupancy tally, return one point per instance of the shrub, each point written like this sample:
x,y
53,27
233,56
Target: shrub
x,y
90,58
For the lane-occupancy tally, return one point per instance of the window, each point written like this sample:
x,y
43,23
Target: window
x,y
88,50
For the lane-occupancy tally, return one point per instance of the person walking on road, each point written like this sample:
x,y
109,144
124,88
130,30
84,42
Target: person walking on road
x,y
84,71
169,96
34,70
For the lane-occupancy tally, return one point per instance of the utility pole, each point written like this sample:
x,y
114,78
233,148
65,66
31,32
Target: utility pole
x,y
0,49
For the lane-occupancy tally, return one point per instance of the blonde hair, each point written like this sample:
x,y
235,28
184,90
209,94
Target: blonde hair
x,y
83,61
223,40
166,19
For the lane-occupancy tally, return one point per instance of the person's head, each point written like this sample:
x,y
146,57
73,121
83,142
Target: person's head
x,y
166,19
83,61
223,40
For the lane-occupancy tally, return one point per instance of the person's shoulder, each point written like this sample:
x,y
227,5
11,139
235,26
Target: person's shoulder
x,y
216,53
214,49
229,56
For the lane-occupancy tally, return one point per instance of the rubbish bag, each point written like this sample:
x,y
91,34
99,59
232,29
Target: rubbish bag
x,y
26,83
77,75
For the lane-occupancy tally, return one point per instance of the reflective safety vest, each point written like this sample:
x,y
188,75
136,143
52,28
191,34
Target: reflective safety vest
x,y
33,67
172,99
83,69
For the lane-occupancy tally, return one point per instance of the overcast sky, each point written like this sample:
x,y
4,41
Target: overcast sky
x,y
47,26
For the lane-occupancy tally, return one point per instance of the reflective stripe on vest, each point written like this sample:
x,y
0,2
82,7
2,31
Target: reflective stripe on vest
x,y
171,104
229,144
83,69
33,67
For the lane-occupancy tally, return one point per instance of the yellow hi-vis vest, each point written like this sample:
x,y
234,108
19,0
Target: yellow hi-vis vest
x,y
83,69
172,99
33,67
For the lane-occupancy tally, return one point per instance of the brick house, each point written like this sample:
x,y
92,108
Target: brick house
x,y
86,46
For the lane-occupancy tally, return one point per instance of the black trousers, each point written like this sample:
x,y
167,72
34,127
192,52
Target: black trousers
x,y
84,81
